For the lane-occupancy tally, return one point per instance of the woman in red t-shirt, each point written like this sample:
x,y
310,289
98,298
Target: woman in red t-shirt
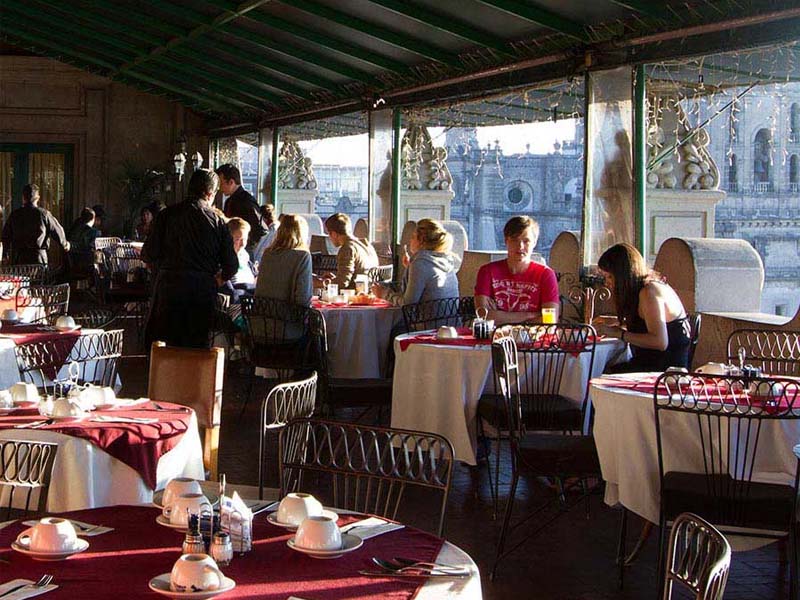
x,y
516,289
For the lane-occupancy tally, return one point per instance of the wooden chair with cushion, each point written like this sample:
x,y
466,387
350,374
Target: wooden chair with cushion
x,y
192,377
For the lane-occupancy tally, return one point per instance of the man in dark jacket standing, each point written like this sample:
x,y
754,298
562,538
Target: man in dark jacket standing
x,y
240,203
29,229
190,250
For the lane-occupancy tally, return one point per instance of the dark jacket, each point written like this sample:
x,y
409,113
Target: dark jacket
x,y
27,235
242,204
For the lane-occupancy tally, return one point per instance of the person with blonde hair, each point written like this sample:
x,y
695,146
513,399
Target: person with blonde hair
x,y
430,269
245,275
285,269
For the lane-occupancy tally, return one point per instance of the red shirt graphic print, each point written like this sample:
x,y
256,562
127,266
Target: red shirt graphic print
x,y
517,292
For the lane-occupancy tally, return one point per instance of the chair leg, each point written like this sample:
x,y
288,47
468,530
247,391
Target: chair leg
x,y
496,495
623,529
211,452
506,522
662,555
249,393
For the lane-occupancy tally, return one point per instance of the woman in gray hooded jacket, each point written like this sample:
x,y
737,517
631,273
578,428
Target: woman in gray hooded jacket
x,y
431,270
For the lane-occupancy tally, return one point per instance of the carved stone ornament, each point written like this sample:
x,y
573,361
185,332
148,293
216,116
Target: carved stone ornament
x,y
295,171
691,166
423,166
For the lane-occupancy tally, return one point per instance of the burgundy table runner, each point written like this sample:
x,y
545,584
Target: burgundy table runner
x,y
379,303
138,445
118,565
465,338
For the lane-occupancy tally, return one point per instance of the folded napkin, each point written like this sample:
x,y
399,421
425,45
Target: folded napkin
x,y
107,419
370,527
83,529
26,592
126,402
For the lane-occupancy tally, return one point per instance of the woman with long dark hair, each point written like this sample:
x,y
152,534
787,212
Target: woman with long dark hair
x,y
650,315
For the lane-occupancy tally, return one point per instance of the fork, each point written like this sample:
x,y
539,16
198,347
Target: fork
x,y
421,567
44,580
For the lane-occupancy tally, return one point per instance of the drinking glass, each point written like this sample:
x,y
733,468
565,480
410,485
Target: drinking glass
x,y
548,316
333,290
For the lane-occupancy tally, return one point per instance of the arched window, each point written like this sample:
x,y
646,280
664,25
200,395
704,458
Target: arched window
x,y
762,160
794,122
733,174
794,172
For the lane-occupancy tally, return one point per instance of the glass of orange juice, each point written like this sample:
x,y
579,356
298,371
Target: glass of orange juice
x,y
548,316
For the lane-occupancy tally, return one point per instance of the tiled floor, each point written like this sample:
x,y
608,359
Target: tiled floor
x,y
571,559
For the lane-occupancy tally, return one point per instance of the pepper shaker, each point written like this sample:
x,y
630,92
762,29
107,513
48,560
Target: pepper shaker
x,y
221,548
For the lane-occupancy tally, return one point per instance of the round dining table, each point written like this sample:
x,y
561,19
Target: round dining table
x,y
437,387
119,564
359,338
113,456
625,436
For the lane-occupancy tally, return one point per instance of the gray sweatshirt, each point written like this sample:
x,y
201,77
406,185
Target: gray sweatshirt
x,y
429,276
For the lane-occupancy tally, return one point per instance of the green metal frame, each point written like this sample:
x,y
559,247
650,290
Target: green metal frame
x,y
378,32
273,182
447,23
22,172
541,16
640,157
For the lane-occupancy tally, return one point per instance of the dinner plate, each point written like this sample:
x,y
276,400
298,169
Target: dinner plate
x,y
80,546
68,329
160,584
349,543
272,518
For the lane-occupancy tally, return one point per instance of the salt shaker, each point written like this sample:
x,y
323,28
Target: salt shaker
x,y
221,548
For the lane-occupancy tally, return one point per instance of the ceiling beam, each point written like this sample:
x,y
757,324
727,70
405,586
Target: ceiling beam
x,y
222,19
376,31
57,49
70,33
320,39
448,24
541,16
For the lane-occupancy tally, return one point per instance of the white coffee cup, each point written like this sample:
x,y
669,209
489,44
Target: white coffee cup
x,y
10,314
318,533
184,505
24,392
67,407
65,322
50,534
195,572
296,507
92,396
446,332
179,486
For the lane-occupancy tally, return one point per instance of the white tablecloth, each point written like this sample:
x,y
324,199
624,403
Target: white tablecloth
x,y
84,476
625,434
358,340
437,388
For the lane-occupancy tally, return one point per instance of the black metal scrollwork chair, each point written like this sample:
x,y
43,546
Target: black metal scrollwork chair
x,y
344,392
774,351
543,352
698,558
95,318
25,470
560,456
732,419
278,338
381,274
367,468
124,282
50,301
96,356
285,402
323,263
436,313
36,274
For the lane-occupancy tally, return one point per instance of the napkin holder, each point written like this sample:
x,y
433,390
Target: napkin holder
x,y
237,520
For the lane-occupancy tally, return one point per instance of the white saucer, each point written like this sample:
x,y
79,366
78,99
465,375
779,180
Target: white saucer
x,y
70,419
272,518
80,546
68,329
349,543
160,584
212,497
164,522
